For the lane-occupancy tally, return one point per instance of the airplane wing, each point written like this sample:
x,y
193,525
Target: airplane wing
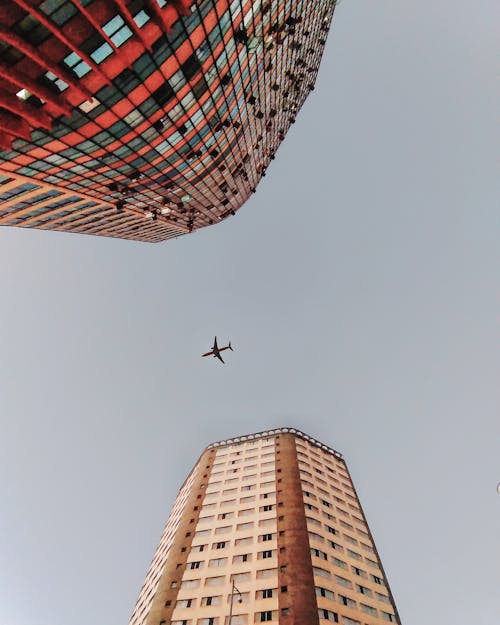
x,y
219,357
215,348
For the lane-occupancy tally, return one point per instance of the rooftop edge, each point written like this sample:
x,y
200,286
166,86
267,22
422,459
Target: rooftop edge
x,y
274,432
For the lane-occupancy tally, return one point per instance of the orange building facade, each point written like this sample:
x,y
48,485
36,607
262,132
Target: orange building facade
x,y
147,119
267,528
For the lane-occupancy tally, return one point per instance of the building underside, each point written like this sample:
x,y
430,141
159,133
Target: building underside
x,y
147,119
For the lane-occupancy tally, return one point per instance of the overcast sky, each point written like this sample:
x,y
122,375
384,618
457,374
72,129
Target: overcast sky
x,y
359,287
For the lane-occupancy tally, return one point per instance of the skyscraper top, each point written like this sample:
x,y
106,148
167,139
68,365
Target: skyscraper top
x,y
147,119
266,528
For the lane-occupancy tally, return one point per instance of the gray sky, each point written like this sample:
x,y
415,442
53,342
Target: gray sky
x,y
360,288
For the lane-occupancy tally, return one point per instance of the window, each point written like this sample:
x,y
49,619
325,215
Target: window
x,y
368,609
241,577
266,537
350,603
267,554
267,593
387,616
266,573
321,572
383,598
189,583
220,545
319,554
343,581
266,616
214,581
266,508
376,579
212,600
217,562
327,615
335,546
324,592
117,30
195,565
349,621
190,68
363,590
184,603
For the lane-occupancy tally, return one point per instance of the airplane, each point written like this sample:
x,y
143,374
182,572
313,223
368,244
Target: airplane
x,y
216,350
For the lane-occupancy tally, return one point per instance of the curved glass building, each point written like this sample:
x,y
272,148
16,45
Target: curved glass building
x,y
147,119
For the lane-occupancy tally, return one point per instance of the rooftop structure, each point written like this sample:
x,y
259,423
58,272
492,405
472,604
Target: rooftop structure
x,y
267,528
147,119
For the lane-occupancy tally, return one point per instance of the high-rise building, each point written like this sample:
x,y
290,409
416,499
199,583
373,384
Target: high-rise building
x,y
147,119
267,528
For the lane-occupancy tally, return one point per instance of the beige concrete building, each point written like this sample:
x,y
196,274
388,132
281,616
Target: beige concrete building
x,y
266,528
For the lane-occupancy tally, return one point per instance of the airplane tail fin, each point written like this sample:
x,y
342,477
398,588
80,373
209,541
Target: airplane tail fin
x,y
230,346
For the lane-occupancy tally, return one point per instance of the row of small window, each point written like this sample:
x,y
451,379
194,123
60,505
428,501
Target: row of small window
x,y
246,557
231,491
320,572
334,545
328,615
241,459
350,539
340,548
236,619
328,594
264,466
245,448
242,476
238,542
223,544
327,458
227,529
220,580
248,487
351,603
214,600
244,512
329,486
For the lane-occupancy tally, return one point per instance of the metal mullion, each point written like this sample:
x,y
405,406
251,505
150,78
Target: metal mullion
x,y
238,50
248,110
126,97
27,209
41,59
211,96
59,34
122,227
288,58
253,126
129,20
321,48
216,68
75,208
185,112
97,27
271,135
202,140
